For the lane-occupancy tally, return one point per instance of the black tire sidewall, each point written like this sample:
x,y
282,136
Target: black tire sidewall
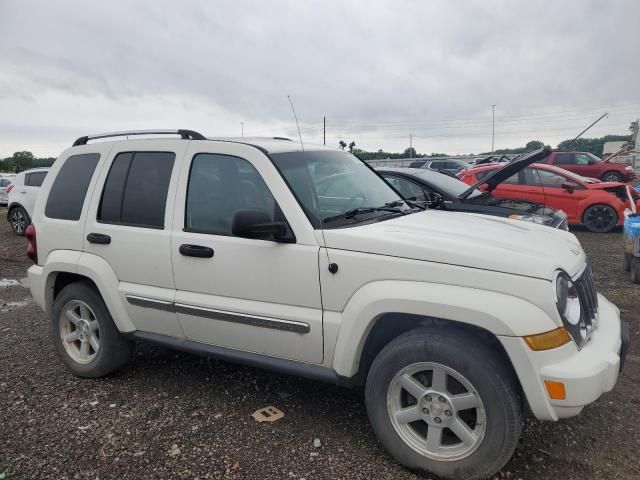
x,y
493,381
584,216
114,350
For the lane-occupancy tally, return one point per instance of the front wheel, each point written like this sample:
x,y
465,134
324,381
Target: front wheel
x,y
441,401
600,218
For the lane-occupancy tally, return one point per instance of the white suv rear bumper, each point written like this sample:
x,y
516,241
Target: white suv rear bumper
x,y
586,374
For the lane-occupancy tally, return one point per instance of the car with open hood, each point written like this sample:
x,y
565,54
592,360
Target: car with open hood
x,y
599,206
454,325
449,193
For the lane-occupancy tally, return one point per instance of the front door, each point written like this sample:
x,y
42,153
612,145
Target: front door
x,y
247,294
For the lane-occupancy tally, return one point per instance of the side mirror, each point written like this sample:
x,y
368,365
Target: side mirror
x,y
568,186
257,224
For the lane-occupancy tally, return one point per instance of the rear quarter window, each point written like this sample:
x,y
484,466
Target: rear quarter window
x,y
34,179
70,186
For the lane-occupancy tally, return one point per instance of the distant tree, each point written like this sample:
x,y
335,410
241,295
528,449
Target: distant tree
x,y
591,145
23,160
351,146
342,144
533,145
410,152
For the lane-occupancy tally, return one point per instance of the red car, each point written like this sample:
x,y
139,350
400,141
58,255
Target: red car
x,y
598,205
588,165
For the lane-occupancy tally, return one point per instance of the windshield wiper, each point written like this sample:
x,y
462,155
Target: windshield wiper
x,y
356,211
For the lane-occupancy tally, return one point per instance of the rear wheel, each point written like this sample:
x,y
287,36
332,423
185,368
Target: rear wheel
x,y
84,333
600,218
19,220
441,401
612,177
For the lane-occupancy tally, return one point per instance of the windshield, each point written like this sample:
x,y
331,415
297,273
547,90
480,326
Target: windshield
x,y
329,184
448,185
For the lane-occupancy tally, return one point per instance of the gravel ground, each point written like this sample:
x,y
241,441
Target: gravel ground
x,y
174,415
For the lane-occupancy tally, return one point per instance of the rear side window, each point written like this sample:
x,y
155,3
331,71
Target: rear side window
x,y
4,182
69,189
135,192
34,179
564,159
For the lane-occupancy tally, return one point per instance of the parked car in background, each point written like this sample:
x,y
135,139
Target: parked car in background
x,y
451,166
588,165
22,195
4,185
454,324
446,193
599,206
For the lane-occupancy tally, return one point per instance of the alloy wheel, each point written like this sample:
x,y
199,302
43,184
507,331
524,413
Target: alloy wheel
x,y
600,218
436,411
18,221
80,331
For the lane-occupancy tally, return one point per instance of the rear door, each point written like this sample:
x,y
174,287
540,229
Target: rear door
x,y
246,294
129,226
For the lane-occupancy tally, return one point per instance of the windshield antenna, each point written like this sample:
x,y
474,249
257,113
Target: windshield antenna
x,y
297,125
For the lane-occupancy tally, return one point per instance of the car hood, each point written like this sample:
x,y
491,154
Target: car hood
x,y
466,239
500,175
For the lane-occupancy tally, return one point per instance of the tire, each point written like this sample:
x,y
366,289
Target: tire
x,y
489,378
612,177
627,262
19,220
600,218
634,270
85,304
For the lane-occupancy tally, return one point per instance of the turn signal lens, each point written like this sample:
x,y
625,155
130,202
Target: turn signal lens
x,y
555,390
548,340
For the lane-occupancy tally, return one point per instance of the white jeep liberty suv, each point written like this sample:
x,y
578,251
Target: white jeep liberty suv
x,y
303,260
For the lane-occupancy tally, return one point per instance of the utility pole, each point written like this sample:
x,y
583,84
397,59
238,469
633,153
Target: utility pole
x,y
242,127
410,145
324,130
493,126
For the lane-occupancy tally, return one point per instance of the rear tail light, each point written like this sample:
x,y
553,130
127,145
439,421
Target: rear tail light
x,y
32,248
10,187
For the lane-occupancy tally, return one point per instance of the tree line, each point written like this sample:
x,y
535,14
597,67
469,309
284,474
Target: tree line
x,y
22,161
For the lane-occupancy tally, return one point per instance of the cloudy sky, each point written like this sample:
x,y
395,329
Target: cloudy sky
x,y
379,71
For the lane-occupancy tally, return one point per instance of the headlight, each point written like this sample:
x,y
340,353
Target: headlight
x,y
568,303
539,219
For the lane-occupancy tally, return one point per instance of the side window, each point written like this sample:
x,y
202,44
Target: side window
x,y
407,188
550,179
35,179
4,182
69,189
531,177
219,186
512,180
582,159
564,159
135,192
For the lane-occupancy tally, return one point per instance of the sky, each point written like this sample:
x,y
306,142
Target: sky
x,y
383,73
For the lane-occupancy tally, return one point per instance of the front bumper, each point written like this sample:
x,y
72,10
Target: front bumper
x,y
586,373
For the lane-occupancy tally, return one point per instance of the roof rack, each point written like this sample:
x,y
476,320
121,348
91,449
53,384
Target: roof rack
x,y
184,134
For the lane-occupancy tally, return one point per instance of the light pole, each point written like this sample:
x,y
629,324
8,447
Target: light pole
x,y
242,128
493,125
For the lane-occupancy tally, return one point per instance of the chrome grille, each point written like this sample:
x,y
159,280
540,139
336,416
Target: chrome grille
x,y
588,296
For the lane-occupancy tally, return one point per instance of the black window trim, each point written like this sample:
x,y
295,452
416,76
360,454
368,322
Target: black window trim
x,y
222,234
135,225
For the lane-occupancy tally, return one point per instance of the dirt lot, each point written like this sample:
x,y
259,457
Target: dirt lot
x,y
173,415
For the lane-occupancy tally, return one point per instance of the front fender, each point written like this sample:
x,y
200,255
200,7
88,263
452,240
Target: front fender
x,y
499,313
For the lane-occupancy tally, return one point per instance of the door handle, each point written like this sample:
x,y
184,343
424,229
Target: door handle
x,y
99,238
195,251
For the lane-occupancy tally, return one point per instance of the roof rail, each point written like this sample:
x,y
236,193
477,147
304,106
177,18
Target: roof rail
x,y
184,134
283,138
